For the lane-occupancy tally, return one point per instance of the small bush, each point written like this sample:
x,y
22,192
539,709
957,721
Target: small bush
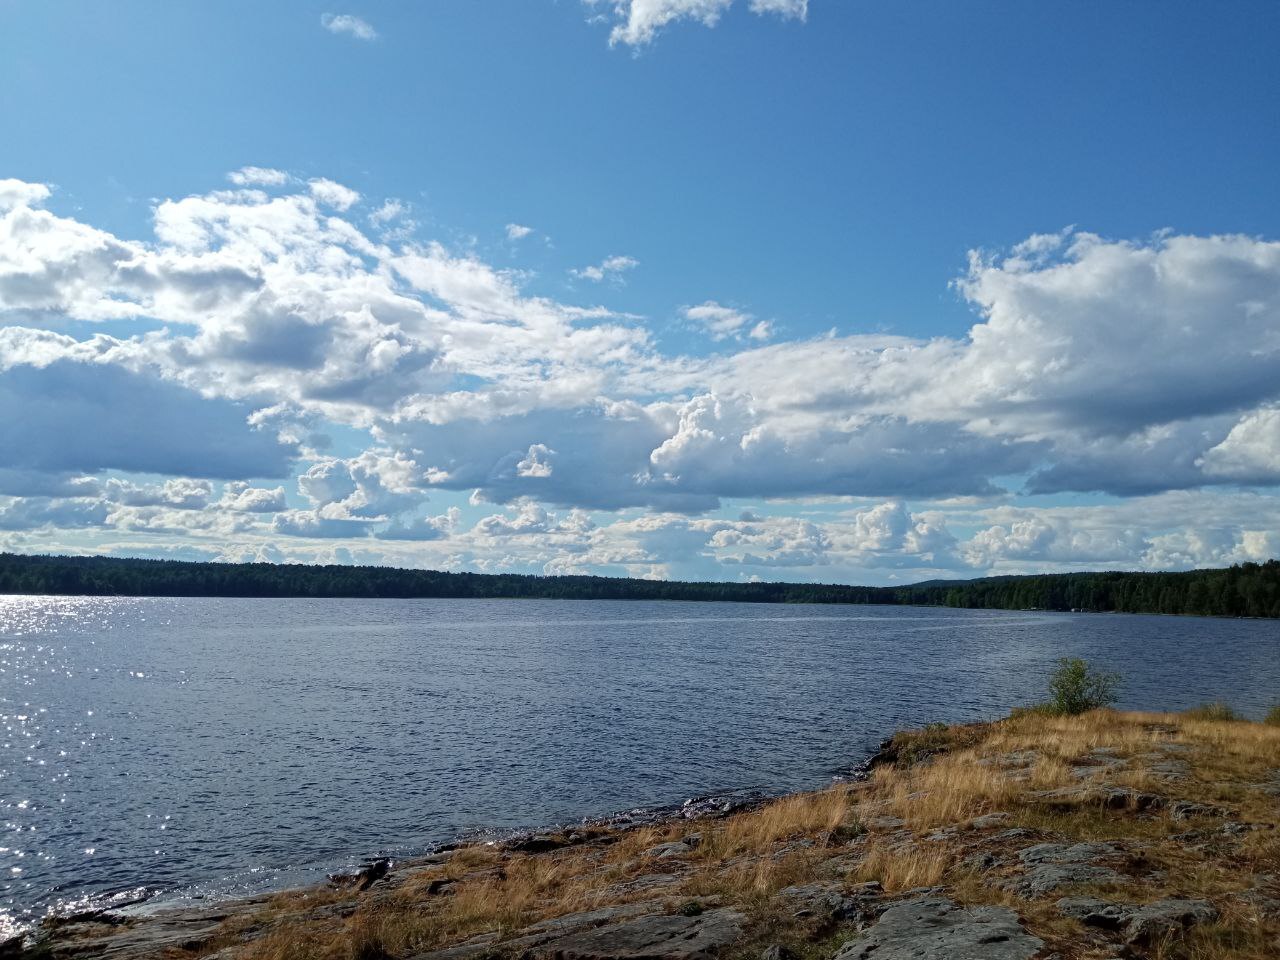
x,y
1076,687
1272,719
1212,711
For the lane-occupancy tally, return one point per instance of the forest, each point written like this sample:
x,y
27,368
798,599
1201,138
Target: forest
x,y
1242,590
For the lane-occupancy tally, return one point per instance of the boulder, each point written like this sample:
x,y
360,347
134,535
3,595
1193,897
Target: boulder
x,y
988,820
364,876
677,848
1045,878
935,928
650,938
1185,810
536,843
1054,865
1093,912
1155,921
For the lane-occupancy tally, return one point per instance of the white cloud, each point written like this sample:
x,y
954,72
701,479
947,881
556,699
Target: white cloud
x,y
333,194
794,9
1250,452
517,231
348,24
637,22
16,193
1127,367
537,462
258,176
723,322
243,498
608,268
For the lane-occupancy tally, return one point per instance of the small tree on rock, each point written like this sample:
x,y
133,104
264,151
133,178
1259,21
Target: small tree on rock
x,y
1076,687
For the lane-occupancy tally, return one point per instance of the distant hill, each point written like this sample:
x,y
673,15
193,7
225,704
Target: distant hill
x,y
1248,590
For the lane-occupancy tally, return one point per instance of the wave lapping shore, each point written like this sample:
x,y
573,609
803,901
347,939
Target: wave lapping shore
x,y
1102,835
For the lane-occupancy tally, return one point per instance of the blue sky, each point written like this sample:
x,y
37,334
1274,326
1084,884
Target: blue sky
x,y
747,210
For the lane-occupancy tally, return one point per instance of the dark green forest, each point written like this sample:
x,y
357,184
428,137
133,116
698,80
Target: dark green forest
x,y
1243,590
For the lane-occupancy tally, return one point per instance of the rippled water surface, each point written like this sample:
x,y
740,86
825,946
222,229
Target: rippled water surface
x,y
208,746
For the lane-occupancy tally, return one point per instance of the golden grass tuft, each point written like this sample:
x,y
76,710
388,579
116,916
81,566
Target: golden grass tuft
x,y
811,815
906,867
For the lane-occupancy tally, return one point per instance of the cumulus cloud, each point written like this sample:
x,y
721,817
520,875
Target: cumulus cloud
x,y
606,269
16,193
351,25
241,497
518,231
1094,365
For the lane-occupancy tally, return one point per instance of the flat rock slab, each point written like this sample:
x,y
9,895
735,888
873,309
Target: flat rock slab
x,y
1163,918
1046,878
1051,866
935,928
1067,852
650,938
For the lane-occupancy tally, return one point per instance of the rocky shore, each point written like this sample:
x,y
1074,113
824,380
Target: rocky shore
x,y
1105,835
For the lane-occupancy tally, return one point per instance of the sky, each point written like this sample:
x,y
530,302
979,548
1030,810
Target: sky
x,y
812,290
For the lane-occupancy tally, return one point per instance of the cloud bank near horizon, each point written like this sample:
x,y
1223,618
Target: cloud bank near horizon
x,y
1141,378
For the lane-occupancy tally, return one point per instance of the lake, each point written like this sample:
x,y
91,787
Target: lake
x,y
205,747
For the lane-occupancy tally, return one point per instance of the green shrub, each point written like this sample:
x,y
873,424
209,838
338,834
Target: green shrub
x,y
1211,711
1076,687
1272,719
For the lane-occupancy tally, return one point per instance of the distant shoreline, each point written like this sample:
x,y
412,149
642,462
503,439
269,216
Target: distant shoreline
x,y
1245,590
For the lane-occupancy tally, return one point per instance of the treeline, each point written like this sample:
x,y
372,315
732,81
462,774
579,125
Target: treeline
x,y
1244,590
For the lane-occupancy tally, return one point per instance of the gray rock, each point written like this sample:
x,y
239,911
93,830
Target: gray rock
x,y
1267,906
1110,797
1157,920
981,861
1122,798
164,931
1067,853
1051,866
935,928
1170,768
593,918
1046,878
650,938
1185,810
1093,912
463,952
824,901
648,882
677,848
988,820
536,843
776,952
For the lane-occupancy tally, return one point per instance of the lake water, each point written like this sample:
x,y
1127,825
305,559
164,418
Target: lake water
x,y
201,747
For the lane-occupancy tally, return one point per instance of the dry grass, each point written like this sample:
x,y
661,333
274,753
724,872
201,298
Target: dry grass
x,y
818,816
906,867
